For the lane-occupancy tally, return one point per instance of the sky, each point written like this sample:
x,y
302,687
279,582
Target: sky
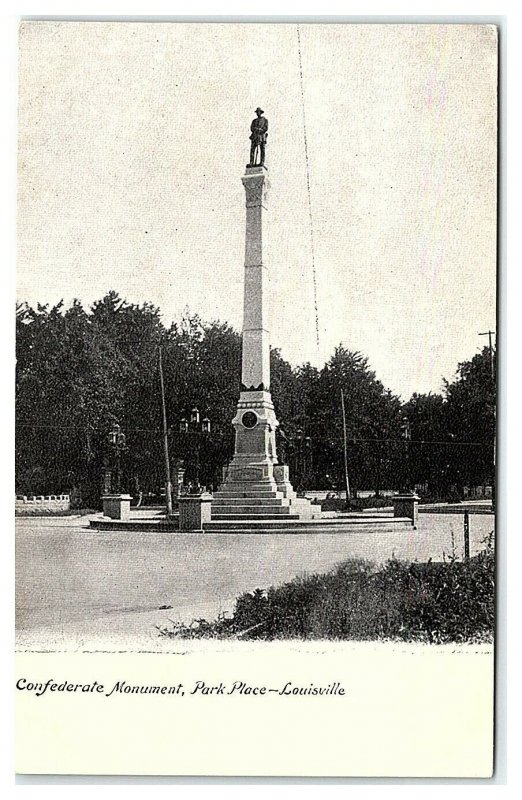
x,y
133,138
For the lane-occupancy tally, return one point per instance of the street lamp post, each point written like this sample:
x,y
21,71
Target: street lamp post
x,y
406,435
168,481
198,428
116,503
308,457
299,437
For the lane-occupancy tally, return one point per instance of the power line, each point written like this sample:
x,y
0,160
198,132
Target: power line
x,y
428,441
83,429
312,245
351,440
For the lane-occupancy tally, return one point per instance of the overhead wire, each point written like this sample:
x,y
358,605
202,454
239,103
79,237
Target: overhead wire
x,y
307,162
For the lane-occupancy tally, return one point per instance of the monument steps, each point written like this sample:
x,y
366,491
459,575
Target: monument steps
x,y
250,517
268,502
141,525
252,511
241,491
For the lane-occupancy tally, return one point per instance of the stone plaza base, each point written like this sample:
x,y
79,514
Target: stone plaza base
x,y
292,525
263,502
329,523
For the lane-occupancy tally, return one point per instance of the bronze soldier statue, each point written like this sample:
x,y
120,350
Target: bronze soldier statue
x,y
259,133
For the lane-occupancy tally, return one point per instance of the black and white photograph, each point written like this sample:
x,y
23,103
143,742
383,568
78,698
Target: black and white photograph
x,y
256,341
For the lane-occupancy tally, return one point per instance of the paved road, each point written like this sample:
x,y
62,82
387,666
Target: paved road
x,y
77,588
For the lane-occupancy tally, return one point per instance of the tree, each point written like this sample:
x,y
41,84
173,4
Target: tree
x,y
470,420
453,434
426,414
68,380
80,371
373,418
203,369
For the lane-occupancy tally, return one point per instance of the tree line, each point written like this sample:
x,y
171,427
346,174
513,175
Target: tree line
x,y
80,371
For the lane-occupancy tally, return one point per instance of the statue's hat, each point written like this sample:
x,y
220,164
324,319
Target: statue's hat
x,y
259,109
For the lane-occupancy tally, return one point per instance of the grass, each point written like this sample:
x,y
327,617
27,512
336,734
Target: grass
x,y
42,512
452,601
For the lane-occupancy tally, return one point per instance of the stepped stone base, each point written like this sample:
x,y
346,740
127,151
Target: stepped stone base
x,y
256,494
270,505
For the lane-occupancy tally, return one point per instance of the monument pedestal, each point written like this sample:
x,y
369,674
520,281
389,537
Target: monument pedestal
x,y
116,506
194,511
407,505
255,454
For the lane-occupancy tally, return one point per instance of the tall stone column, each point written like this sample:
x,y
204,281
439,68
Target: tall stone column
x,y
255,421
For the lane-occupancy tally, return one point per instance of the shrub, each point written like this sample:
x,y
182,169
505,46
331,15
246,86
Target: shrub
x,y
355,504
358,503
431,602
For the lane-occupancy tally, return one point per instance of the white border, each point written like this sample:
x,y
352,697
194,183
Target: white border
x,y
509,304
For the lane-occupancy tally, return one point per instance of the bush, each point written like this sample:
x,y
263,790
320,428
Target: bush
x,y
432,602
355,504
358,503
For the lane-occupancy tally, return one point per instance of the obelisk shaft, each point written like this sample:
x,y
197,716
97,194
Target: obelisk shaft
x,y
256,344
255,421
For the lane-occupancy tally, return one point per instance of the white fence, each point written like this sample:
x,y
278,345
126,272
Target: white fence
x,y
478,492
38,504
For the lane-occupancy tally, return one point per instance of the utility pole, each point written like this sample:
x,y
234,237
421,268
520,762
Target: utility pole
x,y
168,484
489,334
466,536
406,433
346,479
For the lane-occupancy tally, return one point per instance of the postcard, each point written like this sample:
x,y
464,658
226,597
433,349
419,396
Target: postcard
x,y
256,399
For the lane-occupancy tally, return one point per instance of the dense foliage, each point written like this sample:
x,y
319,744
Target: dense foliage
x,y
459,426
80,371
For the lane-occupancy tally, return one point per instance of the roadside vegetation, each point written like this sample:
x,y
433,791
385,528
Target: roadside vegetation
x,y
433,602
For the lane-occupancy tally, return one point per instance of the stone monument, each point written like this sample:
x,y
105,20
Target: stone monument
x,y
256,495
254,471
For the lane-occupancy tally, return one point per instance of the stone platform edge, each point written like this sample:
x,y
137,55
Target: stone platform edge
x,y
340,525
